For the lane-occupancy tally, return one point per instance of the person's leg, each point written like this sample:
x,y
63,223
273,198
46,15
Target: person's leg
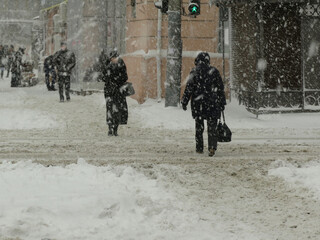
x,y
9,68
13,80
2,73
19,79
110,131
199,134
47,80
115,129
109,114
212,136
61,83
67,82
53,77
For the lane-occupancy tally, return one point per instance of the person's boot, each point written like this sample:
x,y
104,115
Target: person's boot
x,y
110,132
212,152
115,131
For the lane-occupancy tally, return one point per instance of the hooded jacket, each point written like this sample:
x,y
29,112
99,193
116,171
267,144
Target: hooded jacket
x,y
205,89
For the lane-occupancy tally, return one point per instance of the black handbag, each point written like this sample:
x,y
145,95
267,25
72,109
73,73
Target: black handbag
x,y
223,131
127,89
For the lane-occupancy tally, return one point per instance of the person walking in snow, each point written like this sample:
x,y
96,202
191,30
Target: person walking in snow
x,y
64,61
2,61
10,57
206,91
50,73
114,74
16,68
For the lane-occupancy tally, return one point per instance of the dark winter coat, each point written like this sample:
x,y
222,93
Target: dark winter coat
x,y
115,75
205,89
2,58
48,64
64,61
17,63
11,54
96,72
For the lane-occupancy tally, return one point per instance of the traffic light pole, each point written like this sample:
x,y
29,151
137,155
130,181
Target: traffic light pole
x,y
174,55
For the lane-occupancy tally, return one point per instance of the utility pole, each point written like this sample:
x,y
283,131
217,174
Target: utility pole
x,y
174,55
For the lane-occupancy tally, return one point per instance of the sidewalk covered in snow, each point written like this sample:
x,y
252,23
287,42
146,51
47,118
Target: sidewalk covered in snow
x,y
62,177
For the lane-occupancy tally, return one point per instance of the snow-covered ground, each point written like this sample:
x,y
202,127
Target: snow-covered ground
x,y
81,201
62,177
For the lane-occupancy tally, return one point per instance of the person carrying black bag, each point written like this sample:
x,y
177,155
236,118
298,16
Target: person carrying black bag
x,y
114,74
205,89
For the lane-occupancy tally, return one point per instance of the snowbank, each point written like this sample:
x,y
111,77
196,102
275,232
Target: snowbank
x,y
155,115
17,109
22,119
82,201
307,176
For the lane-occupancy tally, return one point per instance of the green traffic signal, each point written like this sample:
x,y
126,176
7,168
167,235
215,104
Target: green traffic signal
x,y
194,7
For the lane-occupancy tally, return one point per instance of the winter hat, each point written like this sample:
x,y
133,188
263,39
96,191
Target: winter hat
x,y
113,54
202,58
63,43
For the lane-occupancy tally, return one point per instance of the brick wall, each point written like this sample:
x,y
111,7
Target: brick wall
x,y
198,34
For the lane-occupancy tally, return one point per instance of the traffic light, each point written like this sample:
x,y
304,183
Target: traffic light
x,y
194,7
162,5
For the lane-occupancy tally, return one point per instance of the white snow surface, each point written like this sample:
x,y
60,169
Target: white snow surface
x,y
16,114
25,119
307,176
156,115
82,201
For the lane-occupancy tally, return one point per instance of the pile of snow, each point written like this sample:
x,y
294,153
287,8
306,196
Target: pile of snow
x,y
156,115
17,110
12,99
22,119
82,201
299,176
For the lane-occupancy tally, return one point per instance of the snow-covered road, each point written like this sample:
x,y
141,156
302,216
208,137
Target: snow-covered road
x,y
62,177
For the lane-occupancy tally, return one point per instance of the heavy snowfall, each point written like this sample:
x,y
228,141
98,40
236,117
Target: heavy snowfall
x,y
62,177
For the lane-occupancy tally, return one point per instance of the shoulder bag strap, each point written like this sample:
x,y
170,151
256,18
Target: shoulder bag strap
x,y
224,119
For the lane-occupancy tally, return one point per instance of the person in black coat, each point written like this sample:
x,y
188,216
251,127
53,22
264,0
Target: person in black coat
x,y
16,68
114,74
50,73
64,61
10,56
206,91
2,61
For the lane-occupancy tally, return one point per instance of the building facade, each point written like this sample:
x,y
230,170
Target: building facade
x,y
275,53
143,52
140,34
18,25
88,26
